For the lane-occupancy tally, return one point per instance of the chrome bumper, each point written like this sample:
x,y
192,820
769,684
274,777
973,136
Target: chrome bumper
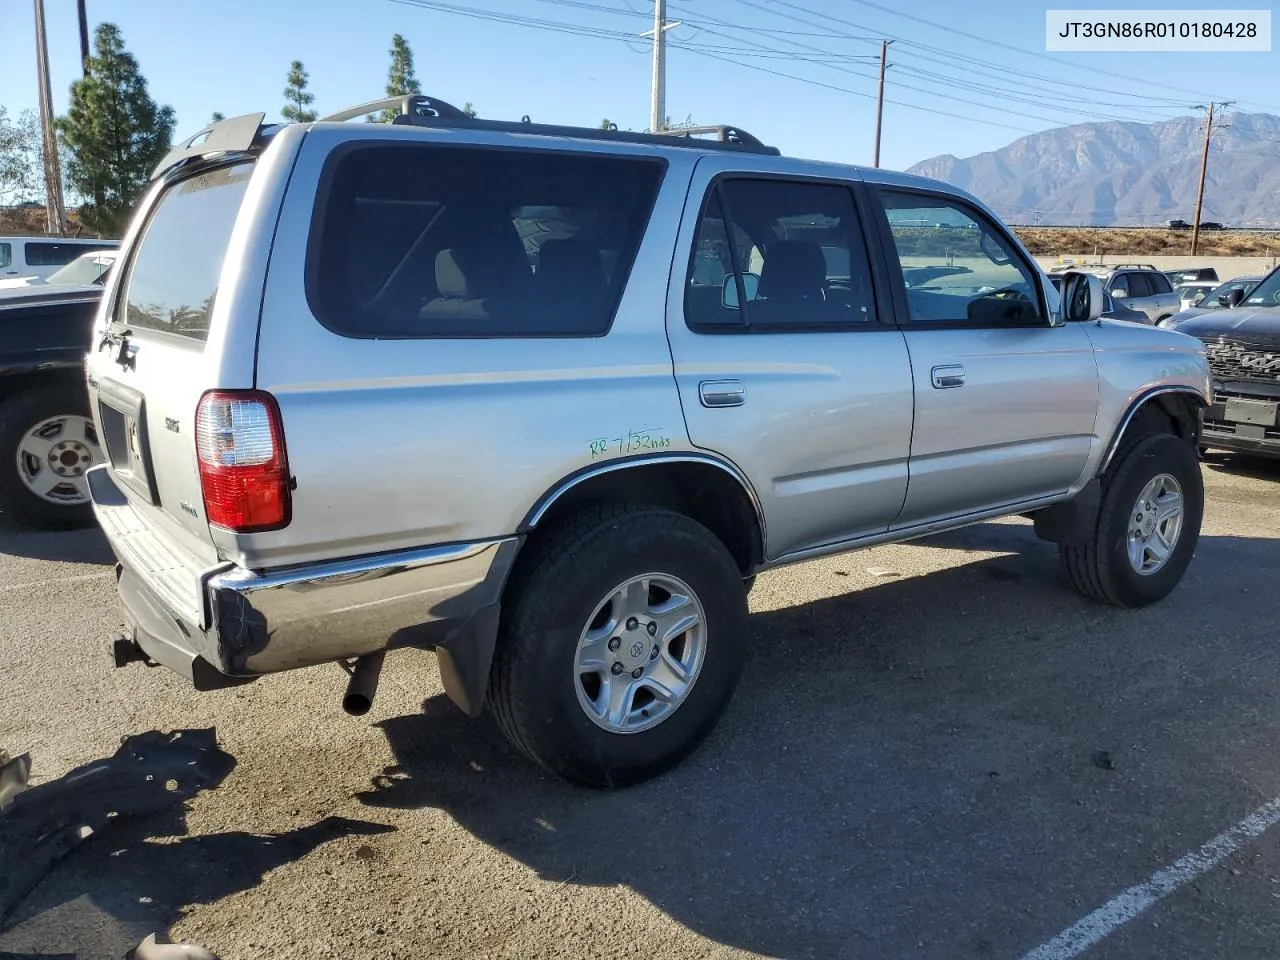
x,y
253,623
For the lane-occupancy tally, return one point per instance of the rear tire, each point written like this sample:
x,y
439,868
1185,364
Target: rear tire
x,y
568,604
1149,476
38,428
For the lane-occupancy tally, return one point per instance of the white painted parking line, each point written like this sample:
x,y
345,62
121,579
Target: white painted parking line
x,y
1123,907
56,580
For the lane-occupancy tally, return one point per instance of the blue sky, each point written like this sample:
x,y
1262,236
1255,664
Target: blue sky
x,y
232,56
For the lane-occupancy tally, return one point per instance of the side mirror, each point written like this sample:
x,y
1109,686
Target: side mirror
x,y
1119,293
729,290
1232,298
993,250
1082,297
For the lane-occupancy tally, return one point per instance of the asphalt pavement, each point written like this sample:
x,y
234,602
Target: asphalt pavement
x,y
937,751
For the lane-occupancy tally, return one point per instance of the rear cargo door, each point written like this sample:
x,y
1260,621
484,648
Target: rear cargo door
x,y
160,354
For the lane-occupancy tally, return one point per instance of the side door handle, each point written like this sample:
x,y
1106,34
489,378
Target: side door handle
x,y
948,376
722,393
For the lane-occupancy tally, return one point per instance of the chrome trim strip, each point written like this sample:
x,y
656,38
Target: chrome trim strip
x,y
336,572
1133,409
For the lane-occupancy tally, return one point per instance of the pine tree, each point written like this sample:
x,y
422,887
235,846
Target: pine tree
x,y
469,110
295,111
217,115
401,79
114,134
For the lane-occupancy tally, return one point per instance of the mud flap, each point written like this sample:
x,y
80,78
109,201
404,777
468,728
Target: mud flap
x,y
465,658
1073,522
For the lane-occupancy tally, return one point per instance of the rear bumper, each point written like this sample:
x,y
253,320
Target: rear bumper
x,y
259,622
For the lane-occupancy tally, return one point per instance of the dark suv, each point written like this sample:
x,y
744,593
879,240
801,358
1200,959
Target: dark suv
x,y
1244,355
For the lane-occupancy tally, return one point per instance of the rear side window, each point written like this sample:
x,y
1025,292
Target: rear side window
x,y
174,270
426,241
1136,285
6,255
47,254
1160,283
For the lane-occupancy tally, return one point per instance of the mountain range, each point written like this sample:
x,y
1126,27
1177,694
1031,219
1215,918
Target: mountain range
x,y
1127,174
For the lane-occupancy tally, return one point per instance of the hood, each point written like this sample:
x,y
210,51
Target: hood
x,y
1257,324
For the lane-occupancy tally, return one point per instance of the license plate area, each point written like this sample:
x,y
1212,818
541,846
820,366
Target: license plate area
x,y
1257,412
122,411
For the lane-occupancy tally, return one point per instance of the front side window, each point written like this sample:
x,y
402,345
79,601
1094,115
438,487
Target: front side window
x,y
6,255
792,257
1266,293
429,241
174,270
957,268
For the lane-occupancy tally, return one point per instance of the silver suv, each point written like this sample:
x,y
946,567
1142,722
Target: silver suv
x,y
547,399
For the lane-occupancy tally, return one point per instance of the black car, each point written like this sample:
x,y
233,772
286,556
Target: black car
x,y
1244,356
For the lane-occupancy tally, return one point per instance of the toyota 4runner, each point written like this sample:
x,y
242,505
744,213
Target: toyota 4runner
x,y
546,399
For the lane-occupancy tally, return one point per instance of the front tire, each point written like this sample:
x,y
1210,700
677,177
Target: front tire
x,y
47,442
621,644
1148,524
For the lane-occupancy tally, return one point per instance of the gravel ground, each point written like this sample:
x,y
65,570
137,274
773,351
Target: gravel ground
x,y
951,757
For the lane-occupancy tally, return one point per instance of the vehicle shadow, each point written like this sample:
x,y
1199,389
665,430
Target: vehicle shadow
x,y
1243,464
140,869
912,768
86,545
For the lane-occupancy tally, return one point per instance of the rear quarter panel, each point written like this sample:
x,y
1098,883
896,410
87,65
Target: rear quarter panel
x,y
403,443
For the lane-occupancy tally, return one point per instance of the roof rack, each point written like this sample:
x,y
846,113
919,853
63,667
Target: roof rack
x,y
423,111
1135,266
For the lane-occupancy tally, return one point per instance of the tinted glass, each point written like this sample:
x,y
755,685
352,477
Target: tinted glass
x,y
6,255
1240,283
50,254
1136,284
440,241
1159,282
799,247
173,277
956,267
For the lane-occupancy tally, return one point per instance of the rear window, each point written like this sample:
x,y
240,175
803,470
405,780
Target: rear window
x,y
173,274
438,241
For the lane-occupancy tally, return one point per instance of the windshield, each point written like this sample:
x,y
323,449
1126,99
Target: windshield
x,y
1266,293
85,269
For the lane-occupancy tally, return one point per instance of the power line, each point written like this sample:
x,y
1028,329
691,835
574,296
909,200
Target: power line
x,y
1147,81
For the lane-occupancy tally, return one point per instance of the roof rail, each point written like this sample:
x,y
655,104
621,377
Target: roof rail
x,y
1135,266
422,111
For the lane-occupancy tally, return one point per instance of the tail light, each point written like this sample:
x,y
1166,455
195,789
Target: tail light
x,y
244,473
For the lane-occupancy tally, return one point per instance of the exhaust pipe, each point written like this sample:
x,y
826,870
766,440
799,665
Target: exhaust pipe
x,y
363,684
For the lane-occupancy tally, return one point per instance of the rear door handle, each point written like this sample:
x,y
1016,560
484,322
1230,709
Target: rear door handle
x,y
722,393
948,376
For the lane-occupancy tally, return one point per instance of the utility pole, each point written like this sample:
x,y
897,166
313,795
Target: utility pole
x,y
1204,167
658,87
54,217
884,52
84,37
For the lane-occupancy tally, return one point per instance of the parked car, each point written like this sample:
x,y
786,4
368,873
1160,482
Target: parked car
x,y
1137,286
1224,296
1191,293
1243,345
41,256
471,385
1210,225
48,440
85,272
1178,224
1191,274
1110,309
